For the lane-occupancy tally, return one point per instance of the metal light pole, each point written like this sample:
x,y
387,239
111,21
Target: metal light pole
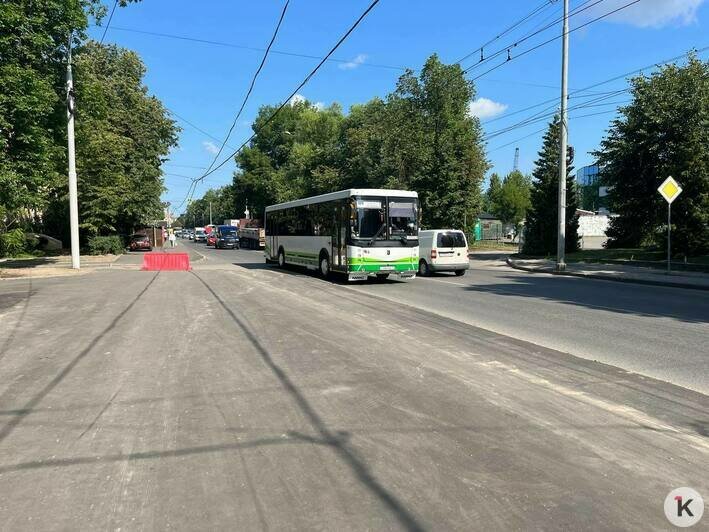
x,y
71,155
561,238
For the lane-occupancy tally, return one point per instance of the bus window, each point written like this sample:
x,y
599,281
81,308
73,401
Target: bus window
x,y
369,219
402,218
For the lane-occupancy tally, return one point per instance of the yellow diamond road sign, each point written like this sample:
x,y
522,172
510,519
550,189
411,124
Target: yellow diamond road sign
x,y
670,189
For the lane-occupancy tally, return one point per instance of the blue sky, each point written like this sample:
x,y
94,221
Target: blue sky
x,y
205,83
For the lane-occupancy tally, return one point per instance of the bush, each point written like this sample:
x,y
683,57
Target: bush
x,y
12,243
101,245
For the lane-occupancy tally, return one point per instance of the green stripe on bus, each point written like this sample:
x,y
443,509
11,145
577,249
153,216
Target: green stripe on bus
x,y
371,260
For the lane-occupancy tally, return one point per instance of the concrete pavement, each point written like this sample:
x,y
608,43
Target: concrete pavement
x,y
617,272
243,397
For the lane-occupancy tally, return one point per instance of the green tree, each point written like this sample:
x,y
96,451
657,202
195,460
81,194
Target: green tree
x,y
663,132
491,202
434,146
33,45
542,217
122,137
514,198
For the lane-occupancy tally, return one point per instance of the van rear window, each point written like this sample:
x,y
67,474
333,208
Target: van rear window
x,y
452,239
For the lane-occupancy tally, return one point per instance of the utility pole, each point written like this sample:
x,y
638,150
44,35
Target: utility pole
x,y
563,133
515,166
210,213
71,155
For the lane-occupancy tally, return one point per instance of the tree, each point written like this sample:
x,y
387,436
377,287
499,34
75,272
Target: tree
x,y
514,199
662,132
492,195
33,45
542,217
122,137
420,137
434,146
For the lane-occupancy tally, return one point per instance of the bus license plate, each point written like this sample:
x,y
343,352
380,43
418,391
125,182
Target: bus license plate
x,y
389,268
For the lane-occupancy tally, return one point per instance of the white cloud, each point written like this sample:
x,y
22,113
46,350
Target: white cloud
x,y
351,65
650,13
485,108
298,98
210,147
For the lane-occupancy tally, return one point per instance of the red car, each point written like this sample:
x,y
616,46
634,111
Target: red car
x,y
211,239
139,243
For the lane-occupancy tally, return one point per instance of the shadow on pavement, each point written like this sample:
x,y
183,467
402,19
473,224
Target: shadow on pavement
x,y
325,435
625,298
6,302
32,403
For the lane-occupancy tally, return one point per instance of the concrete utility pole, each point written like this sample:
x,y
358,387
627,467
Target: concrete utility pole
x,y
73,195
210,213
561,239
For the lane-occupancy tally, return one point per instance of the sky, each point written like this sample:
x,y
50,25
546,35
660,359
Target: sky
x,y
205,83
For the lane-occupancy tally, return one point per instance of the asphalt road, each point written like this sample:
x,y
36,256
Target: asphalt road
x,y
655,331
239,396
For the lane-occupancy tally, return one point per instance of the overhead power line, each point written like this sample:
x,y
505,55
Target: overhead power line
x,y
575,93
110,18
507,49
288,99
507,30
251,85
510,58
252,48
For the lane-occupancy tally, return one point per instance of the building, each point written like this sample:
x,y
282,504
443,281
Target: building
x,y
592,196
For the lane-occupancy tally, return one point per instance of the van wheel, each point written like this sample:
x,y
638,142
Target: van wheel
x,y
460,273
324,269
424,270
281,258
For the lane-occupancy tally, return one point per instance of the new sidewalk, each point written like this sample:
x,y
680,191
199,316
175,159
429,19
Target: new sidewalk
x,y
616,272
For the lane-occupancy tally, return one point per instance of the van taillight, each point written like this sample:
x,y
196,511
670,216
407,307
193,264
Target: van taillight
x,y
434,253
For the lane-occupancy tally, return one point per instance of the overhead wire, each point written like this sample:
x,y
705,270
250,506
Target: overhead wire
x,y
287,100
529,50
251,85
515,25
110,18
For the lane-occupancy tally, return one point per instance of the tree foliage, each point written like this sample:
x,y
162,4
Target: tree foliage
x,y
222,200
541,228
514,198
420,137
491,202
664,131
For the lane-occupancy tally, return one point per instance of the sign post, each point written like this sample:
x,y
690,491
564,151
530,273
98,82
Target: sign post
x,y
670,190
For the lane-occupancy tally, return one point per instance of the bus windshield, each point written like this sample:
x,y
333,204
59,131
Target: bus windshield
x,y
384,218
369,219
402,217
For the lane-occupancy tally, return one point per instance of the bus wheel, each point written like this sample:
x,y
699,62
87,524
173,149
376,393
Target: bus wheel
x,y
423,268
324,266
281,258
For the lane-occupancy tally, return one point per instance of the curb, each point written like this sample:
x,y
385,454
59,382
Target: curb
x,y
602,277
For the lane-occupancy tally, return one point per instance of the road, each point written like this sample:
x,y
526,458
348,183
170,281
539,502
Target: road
x,y
655,331
238,396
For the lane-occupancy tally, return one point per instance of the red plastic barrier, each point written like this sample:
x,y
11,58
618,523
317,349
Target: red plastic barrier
x,y
166,261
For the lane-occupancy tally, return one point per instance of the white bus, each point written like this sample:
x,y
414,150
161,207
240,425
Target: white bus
x,y
359,232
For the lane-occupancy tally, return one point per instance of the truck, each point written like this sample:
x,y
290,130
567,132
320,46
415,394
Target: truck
x,y
232,222
252,237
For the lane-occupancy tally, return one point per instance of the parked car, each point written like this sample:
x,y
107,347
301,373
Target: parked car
x,y
139,243
211,238
227,237
443,250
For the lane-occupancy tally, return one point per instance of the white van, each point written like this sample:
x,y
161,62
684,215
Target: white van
x,y
443,250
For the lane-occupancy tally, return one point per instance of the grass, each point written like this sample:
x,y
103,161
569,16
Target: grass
x,y
629,254
493,245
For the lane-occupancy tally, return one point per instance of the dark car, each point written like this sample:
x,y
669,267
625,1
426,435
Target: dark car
x,y
226,237
139,243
